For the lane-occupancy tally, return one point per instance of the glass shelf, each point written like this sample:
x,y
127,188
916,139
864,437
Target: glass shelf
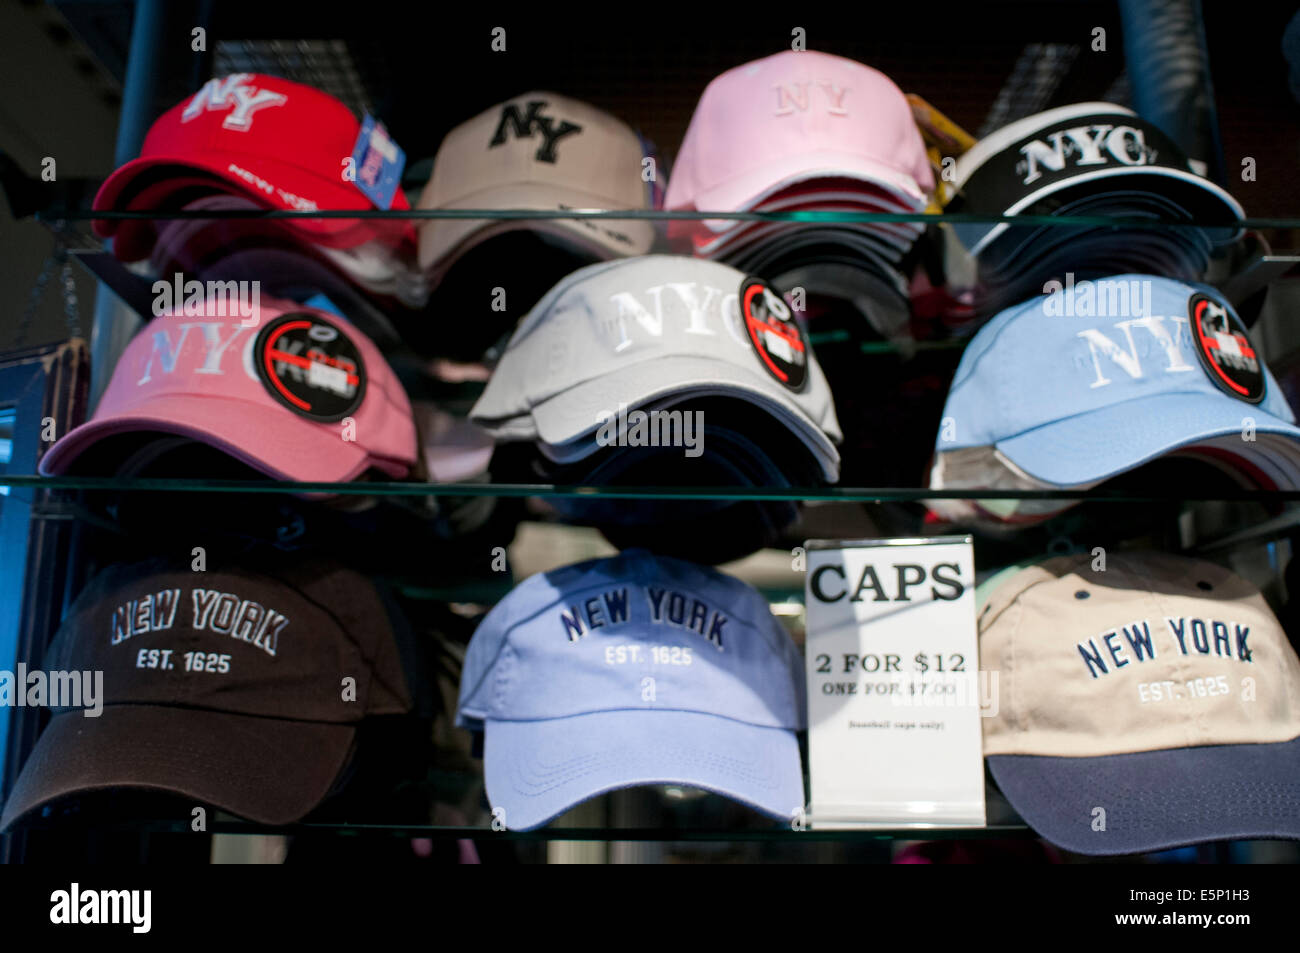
x,y
829,216
504,490
439,832
829,338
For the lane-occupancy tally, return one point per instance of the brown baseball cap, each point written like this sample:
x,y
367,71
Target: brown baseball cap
x,y
242,690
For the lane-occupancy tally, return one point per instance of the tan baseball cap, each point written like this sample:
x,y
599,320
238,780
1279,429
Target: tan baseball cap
x,y
1150,704
539,150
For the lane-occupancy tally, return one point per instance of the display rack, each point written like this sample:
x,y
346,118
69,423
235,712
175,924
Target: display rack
x,y
968,61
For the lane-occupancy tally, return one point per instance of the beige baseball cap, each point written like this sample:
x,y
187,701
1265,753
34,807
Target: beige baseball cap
x,y
539,150
1150,704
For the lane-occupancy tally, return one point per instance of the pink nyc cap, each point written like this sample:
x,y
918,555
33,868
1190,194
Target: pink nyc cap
x,y
298,393
764,126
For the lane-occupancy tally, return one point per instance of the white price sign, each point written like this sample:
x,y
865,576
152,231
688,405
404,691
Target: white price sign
x,y
894,691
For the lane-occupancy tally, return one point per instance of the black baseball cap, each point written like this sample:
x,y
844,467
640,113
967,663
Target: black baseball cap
x,y
1065,154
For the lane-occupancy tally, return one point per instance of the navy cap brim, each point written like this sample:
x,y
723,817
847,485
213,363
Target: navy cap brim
x,y
1156,800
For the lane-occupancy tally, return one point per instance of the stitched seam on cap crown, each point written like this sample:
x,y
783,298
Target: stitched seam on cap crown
x,y
1287,687
508,624
1226,576
1284,645
1014,721
505,673
1194,727
996,617
1004,400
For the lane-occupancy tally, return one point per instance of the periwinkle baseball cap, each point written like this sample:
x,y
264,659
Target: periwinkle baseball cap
x,y
276,141
654,331
794,116
223,686
539,150
633,670
295,392
1074,387
1147,705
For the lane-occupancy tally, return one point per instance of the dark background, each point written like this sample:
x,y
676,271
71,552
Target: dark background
x,y
427,66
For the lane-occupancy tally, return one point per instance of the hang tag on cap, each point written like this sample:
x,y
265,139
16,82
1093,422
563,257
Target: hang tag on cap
x,y
1225,352
774,334
310,366
378,163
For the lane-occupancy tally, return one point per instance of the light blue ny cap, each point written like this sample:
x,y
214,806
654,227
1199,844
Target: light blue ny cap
x,y
1077,386
633,670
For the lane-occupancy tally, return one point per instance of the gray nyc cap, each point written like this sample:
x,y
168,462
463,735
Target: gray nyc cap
x,y
649,332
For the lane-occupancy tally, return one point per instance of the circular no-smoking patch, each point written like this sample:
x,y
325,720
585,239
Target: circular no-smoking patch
x,y
1224,349
310,366
774,334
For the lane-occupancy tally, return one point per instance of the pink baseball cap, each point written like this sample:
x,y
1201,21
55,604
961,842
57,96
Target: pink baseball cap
x,y
280,142
792,117
294,392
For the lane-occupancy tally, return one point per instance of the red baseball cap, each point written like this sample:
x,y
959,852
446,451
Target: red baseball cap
x,y
279,142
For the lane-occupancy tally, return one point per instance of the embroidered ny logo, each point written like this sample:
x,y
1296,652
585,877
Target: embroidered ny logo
x,y
218,94
525,124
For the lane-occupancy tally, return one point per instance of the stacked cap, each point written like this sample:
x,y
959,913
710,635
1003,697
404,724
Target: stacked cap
x,y
247,141
1087,159
1161,691
543,151
806,131
556,679
285,271
204,248
666,370
222,687
1072,388
295,392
